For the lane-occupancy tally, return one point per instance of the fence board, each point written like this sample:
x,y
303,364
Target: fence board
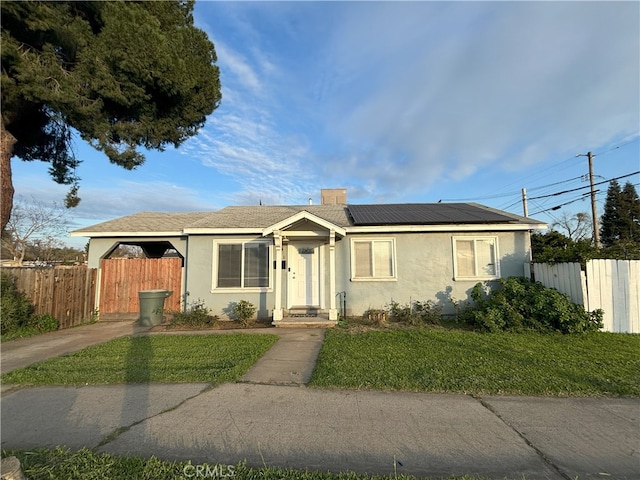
x,y
67,293
564,277
634,296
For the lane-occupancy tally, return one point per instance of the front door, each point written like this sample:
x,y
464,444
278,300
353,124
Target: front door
x,y
304,287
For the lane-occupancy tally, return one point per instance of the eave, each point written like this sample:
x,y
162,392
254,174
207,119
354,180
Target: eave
x,y
482,227
175,233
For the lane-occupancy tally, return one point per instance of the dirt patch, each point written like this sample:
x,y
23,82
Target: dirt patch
x,y
219,325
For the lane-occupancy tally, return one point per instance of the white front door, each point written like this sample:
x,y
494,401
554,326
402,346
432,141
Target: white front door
x,y
304,287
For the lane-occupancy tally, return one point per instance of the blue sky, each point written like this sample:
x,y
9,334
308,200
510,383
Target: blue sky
x,y
396,102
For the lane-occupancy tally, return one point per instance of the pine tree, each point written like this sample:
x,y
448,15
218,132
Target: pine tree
x,y
124,75
610,220
620,222
630,219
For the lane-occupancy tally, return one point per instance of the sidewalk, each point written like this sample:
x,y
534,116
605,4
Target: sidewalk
x,y
271,418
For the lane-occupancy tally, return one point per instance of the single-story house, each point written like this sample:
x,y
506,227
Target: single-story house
x,y
317,260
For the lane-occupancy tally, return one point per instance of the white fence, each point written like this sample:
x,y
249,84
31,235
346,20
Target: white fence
x,y
612,285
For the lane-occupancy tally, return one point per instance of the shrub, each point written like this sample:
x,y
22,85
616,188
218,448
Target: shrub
x,y
18,318
520,304
15,305
243,311
43,323
195,315
401,312
416,313
429,311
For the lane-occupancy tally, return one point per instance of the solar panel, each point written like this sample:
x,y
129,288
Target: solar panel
x,y
424,214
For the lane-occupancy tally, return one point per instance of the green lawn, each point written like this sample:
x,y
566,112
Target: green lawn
x,y
155,358
48,463
596,364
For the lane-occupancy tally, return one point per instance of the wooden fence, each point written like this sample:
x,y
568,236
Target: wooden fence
x,y
123,278
612,285
67,293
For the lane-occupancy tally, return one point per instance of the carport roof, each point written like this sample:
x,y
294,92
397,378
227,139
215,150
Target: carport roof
x,y
143,222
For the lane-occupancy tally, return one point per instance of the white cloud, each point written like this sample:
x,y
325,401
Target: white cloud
x,y
238,66
435,91
390,98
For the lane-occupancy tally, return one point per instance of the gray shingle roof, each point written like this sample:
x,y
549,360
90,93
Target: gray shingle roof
x,y
145,222
260,217
264,216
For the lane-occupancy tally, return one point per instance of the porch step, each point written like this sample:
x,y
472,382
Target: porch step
x,y
305,322
303,312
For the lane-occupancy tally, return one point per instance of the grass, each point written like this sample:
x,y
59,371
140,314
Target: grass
x,y
21,332
595,364
48,463
156,358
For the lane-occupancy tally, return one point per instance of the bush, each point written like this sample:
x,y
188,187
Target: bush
x,y
15,305
521,304
18,318
402,313
244,311
416,313
196,315
428,311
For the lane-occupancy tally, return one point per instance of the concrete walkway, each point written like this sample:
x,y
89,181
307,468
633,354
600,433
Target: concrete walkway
x,y
271,418
290,361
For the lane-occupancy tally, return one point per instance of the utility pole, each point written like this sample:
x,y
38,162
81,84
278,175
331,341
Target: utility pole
x,y
594,212
525,208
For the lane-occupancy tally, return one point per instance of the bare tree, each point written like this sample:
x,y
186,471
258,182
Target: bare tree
x,y
577,226
127,251
34,222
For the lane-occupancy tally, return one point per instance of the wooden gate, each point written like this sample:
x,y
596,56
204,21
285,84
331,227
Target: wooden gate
x,y
123,278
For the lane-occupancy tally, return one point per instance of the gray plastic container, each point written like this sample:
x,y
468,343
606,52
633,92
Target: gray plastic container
x,y
152,306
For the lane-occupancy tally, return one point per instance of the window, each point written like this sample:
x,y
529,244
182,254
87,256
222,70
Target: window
x,y
475,257
242,265
373,259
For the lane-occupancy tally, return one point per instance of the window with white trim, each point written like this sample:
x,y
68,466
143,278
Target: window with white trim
x,y
242,265
475,258
373,259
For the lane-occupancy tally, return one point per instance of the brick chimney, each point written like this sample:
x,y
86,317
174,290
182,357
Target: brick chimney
x,y
333,196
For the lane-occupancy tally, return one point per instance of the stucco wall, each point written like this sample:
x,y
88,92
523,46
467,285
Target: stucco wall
x,y
425,270
99,247
424,265
199,276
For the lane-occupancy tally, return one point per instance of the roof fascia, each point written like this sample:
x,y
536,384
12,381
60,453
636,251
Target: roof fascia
x,y
303,214
485,227
222,231
177,233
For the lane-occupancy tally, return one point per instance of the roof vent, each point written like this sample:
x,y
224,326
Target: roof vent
x,y
334,196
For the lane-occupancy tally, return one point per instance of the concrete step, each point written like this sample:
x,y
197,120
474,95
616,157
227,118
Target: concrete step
x,y
305,322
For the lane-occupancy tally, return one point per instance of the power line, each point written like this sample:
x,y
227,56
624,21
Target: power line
x,y
565,164
580,188
616,147
557,207
510,194
601,201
